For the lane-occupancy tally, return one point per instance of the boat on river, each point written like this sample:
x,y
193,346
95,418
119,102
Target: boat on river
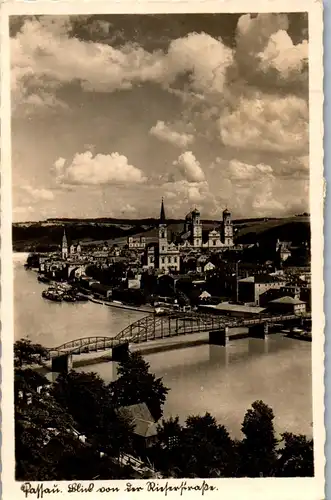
x,y
161,311
298,334
52,294
80,297
68,297
43,279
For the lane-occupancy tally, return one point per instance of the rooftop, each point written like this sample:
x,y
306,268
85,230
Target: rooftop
x,y
287,300
249,279
267,278
226,306
141,419
263,278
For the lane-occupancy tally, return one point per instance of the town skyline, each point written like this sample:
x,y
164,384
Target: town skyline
x,y
135,114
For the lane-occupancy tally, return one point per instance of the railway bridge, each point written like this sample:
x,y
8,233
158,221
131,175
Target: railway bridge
x,y
151,327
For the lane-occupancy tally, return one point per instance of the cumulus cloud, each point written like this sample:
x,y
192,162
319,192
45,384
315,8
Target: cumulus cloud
x,y
22,210
44,54
249,100
88,170
39,193
243,172
282,55
128,210
165,133
259,189
294,167
265,53
266,122
189,167
206,58
184,195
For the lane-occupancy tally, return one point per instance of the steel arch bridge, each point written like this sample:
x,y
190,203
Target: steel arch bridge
x,y
152,327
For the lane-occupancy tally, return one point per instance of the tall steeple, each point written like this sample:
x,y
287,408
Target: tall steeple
x,y
162,213
64,248
64,238
163,231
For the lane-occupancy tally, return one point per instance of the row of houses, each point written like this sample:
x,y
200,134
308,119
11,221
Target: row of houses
x,y
260,290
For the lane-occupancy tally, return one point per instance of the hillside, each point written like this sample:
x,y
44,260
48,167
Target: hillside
x,y
47,235
295,229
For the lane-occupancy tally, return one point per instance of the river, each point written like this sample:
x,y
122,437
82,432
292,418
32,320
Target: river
x,y
223,381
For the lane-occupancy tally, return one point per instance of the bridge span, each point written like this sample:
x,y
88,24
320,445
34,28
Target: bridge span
x,y
151,327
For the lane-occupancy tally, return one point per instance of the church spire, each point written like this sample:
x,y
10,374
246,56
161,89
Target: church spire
x,y
64,238
162,213
64,249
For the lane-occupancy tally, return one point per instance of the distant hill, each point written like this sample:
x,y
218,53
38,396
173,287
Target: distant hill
x,y
29,236
295,229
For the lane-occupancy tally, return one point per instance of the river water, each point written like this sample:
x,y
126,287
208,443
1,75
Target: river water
x,y
223,381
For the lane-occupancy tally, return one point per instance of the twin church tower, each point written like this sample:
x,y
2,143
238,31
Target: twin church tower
x,y
193,237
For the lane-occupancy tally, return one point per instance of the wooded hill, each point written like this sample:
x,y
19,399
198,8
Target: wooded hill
x,y
47,235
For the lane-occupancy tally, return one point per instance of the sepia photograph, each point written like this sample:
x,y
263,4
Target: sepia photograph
x,y
161,247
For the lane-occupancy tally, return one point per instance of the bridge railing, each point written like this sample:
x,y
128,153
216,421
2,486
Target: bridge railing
x,y
145,329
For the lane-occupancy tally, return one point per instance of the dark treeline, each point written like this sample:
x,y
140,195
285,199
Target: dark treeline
x,y
47,238
296,231
48,421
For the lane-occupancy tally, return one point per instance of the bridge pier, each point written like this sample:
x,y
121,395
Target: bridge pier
x,y
62,363
259,331
120,352
219,337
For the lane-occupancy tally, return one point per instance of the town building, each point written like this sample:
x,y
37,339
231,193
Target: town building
x,y
229,309
287,305
168,253
137,243
283,250
194,236
144,430
251,288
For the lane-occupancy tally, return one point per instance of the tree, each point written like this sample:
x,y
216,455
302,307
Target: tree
x,y
27,381
25,352
38,419
32,260
208,448
202,448
88,399
296,458
46,444
167,452
136,384
169,433
258,448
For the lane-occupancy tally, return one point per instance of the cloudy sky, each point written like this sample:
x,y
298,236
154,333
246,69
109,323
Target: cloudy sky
x,y
111,112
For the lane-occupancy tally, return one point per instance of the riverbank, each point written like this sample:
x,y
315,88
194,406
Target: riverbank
x,y
146,309
143,309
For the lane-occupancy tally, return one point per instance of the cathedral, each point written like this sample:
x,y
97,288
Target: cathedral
x,y
69,250
196,237
166,254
